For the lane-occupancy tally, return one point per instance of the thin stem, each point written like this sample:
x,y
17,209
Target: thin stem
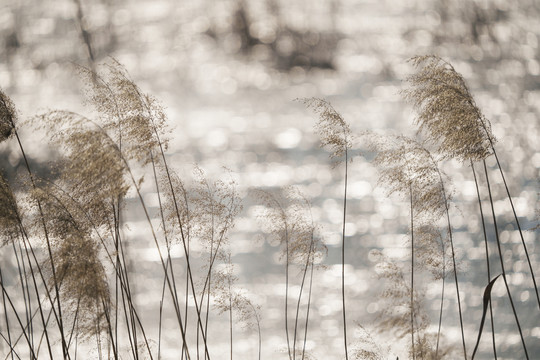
x,y
287,291
160,318
44,328
455,272
307,311
184,242
7,318
210,265
502,262
412,274
230,313
441,310
109,329
12,351
167,242
6,296
518,225
75,320
49,249
27,245
122,273
116,290
487,259
343,257
146,105
147,215
258,325
304,273
26,294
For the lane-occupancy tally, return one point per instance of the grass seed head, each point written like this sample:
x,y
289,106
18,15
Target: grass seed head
x,y
136,119
8,115
406,166
334,131
447,112
8,212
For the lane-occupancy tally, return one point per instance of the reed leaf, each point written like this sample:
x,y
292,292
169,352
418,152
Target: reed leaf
x,y
486,301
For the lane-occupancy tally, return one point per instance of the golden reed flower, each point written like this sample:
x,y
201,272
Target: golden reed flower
x,y
447,113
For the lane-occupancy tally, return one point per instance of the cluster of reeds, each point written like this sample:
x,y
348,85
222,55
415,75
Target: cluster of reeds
x,y
66,233
450,126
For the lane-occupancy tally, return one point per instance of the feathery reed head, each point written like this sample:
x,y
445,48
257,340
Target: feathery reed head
x,y
305,246
92,170
333,130
224,293
8,115
396,313
136,119
8,212
94,167
93,173
273,217
289,219
248,313
433,251
79,271
215,207
176,205
447,112
406,166
367,348
83,281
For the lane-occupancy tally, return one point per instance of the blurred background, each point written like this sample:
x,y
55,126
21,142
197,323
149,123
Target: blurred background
x,y
228,72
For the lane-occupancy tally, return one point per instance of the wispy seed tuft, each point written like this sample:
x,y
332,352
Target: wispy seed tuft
x,y
8,115
334,131
447,113
8,212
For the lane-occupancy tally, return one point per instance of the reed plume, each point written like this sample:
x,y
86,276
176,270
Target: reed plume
x,y
406,165
130,129
7,116
135,121
79,266
9,213
367,347
397,294
447,115
334,132
228,298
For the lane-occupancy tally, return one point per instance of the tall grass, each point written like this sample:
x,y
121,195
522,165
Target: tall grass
x,y
407,168
72,266
288,217
335,134
449,117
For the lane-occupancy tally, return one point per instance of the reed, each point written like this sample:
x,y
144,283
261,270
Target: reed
x,y
71,281
448,116
335,134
